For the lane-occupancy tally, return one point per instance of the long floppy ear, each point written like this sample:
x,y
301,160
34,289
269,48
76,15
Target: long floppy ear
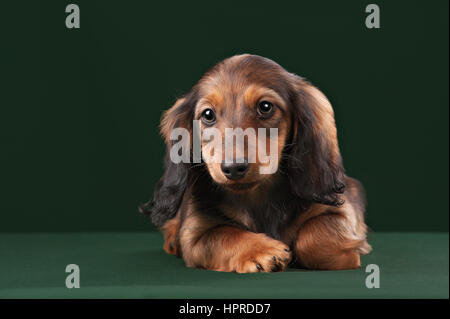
x,y
314,163
170,189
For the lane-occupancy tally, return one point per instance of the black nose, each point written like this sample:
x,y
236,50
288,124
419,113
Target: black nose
x,y
234,170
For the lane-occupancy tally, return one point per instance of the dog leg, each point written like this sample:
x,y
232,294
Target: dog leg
x,y
226,248
329,242
170,230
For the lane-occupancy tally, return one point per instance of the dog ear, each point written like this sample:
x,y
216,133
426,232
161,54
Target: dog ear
x,y
314,162
170,189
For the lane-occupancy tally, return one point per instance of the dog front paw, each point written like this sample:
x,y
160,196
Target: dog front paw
x,y
170,243
264,254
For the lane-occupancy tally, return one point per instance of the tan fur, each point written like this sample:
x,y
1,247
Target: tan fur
x,y
169,121
170,231
322,237
215,246
326,242
246,96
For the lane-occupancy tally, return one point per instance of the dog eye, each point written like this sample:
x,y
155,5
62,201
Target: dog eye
x,y
265,108
208,116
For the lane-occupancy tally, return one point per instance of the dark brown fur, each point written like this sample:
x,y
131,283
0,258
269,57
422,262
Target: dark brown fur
x,y
308,212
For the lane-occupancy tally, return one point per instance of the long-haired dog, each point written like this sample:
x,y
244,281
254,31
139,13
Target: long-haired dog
x,y
227,216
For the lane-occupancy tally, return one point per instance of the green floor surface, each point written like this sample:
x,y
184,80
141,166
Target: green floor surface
x,y
133,265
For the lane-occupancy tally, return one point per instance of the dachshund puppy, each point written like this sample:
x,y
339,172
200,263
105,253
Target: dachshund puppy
x,y
227,215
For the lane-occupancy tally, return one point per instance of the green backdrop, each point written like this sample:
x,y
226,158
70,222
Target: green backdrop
x,y
79,109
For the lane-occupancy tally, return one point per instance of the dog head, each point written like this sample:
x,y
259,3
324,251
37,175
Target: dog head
x,y
249,97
